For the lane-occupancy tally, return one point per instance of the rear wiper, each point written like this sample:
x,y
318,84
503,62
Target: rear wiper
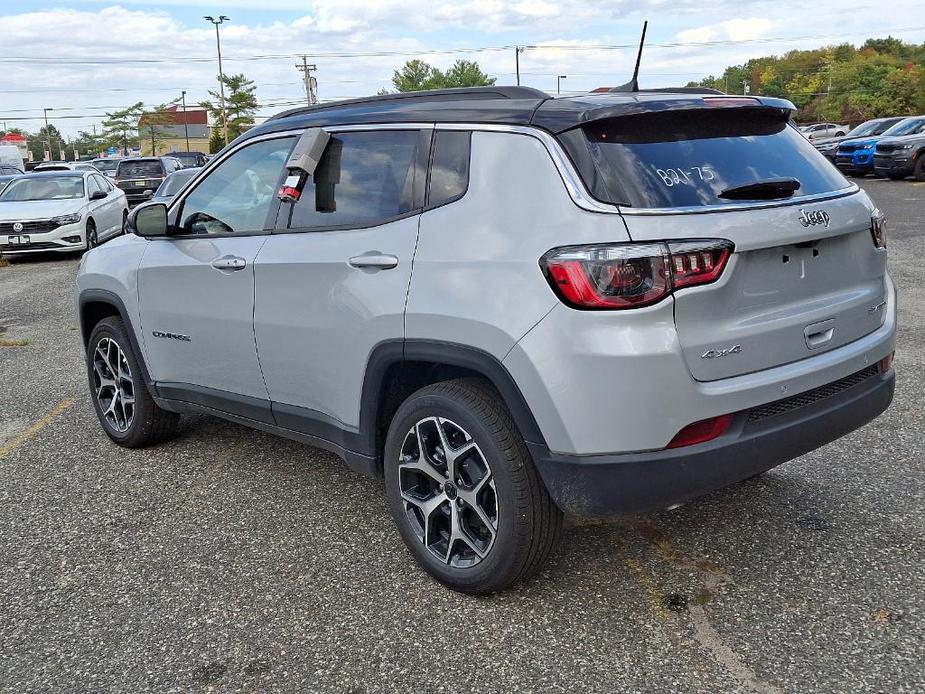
x,y
768,189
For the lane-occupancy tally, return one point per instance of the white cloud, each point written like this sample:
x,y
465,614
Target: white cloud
x,y
731,30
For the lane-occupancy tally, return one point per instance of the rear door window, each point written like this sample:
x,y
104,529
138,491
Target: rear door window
x,y
364,178
690,158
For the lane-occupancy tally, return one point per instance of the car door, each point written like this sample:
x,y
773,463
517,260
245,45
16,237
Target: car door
x,y
97,208
196,285
109,214
331,281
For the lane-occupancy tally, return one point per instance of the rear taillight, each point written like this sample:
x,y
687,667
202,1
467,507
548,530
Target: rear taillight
x,y
878,228
630,275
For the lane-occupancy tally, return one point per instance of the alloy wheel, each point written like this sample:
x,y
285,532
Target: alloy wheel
x,y
115,388
448,492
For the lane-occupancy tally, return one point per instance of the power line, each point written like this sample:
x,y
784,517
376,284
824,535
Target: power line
x,y
437,51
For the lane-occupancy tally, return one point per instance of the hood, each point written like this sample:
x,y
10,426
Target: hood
x,y
904,139
860,142
38,209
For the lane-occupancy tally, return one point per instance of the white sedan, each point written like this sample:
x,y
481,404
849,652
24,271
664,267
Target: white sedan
x,y
59,211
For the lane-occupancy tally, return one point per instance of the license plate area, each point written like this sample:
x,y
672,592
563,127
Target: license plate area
x,y
20,240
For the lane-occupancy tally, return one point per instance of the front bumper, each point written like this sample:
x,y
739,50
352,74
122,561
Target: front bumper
x,y
606,485
64,239
855,163
891,164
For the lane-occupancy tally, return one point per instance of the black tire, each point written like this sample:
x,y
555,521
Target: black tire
x,y
919,170
149,423
124,221
528,522
91,239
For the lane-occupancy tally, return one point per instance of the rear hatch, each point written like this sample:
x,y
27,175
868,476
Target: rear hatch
x,y
143,173
806,276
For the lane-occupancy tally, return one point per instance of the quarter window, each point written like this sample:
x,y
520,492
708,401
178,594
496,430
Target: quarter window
x,y
240,193
364,178
449,169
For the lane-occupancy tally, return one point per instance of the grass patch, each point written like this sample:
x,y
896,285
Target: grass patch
x,y
4,262
13,343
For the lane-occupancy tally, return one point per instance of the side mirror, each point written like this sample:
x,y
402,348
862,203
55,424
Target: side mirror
x,y
97,195
148,220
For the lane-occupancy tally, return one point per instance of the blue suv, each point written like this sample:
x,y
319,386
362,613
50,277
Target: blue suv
x,y
856,158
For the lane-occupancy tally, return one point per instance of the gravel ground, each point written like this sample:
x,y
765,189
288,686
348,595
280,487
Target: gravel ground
x,y
232,561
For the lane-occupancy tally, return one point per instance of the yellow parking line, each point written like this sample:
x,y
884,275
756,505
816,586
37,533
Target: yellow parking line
x,y
19,440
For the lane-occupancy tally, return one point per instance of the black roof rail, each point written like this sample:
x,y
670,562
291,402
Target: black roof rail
x,y
625,89
432,95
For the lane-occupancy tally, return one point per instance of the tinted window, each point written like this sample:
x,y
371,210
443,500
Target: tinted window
x,y
681,159
449,168
147,168
239,193
363,178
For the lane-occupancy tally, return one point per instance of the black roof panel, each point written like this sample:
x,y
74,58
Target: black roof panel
x,y
501,105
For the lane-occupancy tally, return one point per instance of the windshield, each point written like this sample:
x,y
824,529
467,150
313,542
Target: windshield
x,y
690,158
150,168
174,183
44,188
106,164
909,126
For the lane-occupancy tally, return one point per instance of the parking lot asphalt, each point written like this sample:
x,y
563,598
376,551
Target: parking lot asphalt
x,y
232,561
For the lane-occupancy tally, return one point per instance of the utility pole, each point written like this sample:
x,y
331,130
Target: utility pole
x,y
185,121
47,132
517,51
745,87
559,79
310,82
221,75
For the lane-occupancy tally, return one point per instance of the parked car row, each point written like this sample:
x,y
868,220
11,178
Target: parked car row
x,y
889,147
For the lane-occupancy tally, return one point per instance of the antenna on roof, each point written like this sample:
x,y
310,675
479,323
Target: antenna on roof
x,y
633,84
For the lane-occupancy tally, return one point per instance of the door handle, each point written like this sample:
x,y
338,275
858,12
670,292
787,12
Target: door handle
x,y
374,260
229,263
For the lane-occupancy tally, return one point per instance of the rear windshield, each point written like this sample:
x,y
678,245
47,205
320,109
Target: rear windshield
x,y
690,158
106,164
175,182
139,169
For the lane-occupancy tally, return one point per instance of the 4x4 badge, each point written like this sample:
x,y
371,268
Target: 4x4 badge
x,y
716,353
808,219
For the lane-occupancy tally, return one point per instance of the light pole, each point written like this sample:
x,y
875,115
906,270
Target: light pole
x,y
221,75
185,122
47,133
559,79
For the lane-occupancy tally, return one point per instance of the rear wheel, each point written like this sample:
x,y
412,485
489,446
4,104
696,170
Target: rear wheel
x,y
463,489
125,408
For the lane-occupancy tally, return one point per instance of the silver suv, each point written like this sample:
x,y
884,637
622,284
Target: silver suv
x,y
507,305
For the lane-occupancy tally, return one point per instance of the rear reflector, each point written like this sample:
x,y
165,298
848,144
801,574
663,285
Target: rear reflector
x,y
630,275
699,432
886,363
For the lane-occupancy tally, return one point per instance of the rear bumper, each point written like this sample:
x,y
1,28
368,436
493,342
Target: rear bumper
x,y
605,485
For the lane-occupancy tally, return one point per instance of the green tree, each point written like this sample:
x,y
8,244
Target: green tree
x,y
240,107
416,75
42,140
151,126
120,129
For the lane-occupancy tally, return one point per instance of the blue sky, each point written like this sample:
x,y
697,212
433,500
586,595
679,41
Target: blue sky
x,y
86,75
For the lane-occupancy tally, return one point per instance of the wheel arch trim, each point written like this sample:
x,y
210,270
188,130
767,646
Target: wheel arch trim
x,y
104,296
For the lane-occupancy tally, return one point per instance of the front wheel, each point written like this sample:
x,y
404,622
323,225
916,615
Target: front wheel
x,y
919,170
125,408
92,239
463,489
